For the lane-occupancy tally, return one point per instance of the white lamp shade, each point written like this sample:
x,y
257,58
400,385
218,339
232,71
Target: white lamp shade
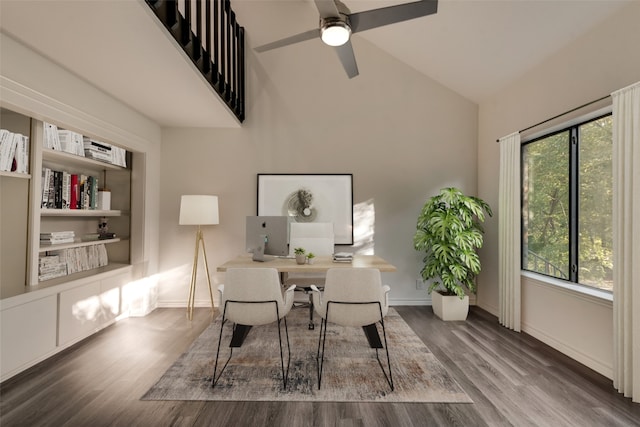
x,y
199,210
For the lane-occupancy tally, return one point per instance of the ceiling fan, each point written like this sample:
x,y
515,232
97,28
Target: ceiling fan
x,y
337,24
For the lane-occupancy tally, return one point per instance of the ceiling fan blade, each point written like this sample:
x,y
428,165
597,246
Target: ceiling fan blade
x,y
302,37
362,21
327,8
348,59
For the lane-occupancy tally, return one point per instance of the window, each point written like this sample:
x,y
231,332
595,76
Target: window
x,y
567,190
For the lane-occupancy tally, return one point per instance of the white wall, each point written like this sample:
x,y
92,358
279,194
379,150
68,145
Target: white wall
x,y
593,66
401,135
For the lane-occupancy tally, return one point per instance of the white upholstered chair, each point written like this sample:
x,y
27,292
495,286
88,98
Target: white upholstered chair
x,y
316,237
353,297
253,297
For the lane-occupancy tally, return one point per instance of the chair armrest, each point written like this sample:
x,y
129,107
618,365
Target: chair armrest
x,y
317,296
386,289
288,299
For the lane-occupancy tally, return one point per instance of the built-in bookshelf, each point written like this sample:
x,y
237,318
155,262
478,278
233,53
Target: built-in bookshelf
x,y
71,191
31,203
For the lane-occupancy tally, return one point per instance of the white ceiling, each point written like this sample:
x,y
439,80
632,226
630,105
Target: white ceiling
x,y
474,47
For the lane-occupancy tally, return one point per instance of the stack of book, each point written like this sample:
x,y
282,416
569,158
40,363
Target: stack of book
x,y
342,257
14,152
73,260
51,266
57,237
62,190
98,150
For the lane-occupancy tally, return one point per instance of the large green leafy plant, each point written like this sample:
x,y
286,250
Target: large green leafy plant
x,y
449,232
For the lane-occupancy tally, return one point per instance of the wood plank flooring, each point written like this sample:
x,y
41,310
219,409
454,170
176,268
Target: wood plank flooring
x,y
513,379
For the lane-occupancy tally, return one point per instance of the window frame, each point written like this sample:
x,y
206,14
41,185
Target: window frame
x,y
572,127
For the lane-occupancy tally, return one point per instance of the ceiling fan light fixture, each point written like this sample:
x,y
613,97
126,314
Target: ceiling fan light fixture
x,y
335,31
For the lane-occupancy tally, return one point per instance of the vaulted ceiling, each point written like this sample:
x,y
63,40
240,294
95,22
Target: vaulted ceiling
x,y
474,47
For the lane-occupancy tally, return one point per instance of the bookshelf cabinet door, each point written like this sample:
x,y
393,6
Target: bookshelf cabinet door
x,y
80,313
28,333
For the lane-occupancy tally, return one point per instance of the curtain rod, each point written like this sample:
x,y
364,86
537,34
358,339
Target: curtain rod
x,y
562,114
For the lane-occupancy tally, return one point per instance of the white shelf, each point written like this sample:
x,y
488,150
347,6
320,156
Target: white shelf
x,y
79,212
15,174
74,160
76,276
77,244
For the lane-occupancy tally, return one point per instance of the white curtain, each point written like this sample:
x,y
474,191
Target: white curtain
x,y
509,232
626,241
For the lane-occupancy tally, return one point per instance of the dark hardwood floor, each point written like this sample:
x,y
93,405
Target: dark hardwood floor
x,y
512,378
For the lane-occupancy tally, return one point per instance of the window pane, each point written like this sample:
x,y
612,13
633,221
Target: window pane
x,y
595,254
546,206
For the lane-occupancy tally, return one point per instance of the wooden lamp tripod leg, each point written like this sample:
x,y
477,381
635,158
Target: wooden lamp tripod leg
x,y
194,272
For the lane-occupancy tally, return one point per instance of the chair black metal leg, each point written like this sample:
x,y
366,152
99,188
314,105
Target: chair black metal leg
x,y
311,324
214,379
389,378
285,374
320,355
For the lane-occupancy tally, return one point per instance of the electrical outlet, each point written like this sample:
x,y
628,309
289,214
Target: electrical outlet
x,y
420,285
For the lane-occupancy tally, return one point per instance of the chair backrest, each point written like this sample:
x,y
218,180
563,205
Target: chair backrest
x,y
252,284
316,237
353,285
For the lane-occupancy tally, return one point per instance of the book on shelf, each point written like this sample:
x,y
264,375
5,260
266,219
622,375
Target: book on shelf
x,y
66,190
51,266
57,189
71,142
51,138
57,237
72,260
14,152
97,150
104,152
73,190
63,190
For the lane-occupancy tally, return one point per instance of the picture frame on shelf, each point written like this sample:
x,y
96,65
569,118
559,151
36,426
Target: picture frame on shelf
x,y
310,198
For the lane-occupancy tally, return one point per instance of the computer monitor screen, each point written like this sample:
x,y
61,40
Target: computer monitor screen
x,y
267,235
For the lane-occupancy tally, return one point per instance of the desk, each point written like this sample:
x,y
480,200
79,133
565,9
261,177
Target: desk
x,y
321,265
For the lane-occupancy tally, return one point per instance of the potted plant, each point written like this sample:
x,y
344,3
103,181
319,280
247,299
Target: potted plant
x,y
311,257
301,257
449,232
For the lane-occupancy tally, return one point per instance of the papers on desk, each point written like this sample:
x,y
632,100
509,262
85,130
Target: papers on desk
x,y
342,257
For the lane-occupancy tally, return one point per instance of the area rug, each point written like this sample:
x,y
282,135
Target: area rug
x,y
351,371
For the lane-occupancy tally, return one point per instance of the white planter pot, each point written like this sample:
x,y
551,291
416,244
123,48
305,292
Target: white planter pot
x,y
301,259
450,307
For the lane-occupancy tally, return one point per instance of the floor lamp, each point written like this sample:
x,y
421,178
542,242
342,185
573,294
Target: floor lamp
x,y
198,210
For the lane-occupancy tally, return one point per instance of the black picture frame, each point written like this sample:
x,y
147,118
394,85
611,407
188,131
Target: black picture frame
x,y
310,198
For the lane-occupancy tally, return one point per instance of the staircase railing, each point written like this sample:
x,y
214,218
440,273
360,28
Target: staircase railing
x,y
209,34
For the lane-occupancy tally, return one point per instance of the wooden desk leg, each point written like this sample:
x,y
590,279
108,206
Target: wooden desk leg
x,y
371,332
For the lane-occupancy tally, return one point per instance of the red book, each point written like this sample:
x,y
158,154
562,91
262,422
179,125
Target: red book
x,y
74,192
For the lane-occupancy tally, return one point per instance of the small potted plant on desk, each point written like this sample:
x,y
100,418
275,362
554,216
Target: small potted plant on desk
x,y
311,257
301,256
449,233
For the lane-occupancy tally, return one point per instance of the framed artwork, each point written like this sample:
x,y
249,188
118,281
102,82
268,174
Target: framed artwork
x,y
310,198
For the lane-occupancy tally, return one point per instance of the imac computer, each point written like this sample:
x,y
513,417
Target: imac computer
x,y
267,235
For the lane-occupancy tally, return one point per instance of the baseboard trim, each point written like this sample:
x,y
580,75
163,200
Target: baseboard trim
x,y
569,351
